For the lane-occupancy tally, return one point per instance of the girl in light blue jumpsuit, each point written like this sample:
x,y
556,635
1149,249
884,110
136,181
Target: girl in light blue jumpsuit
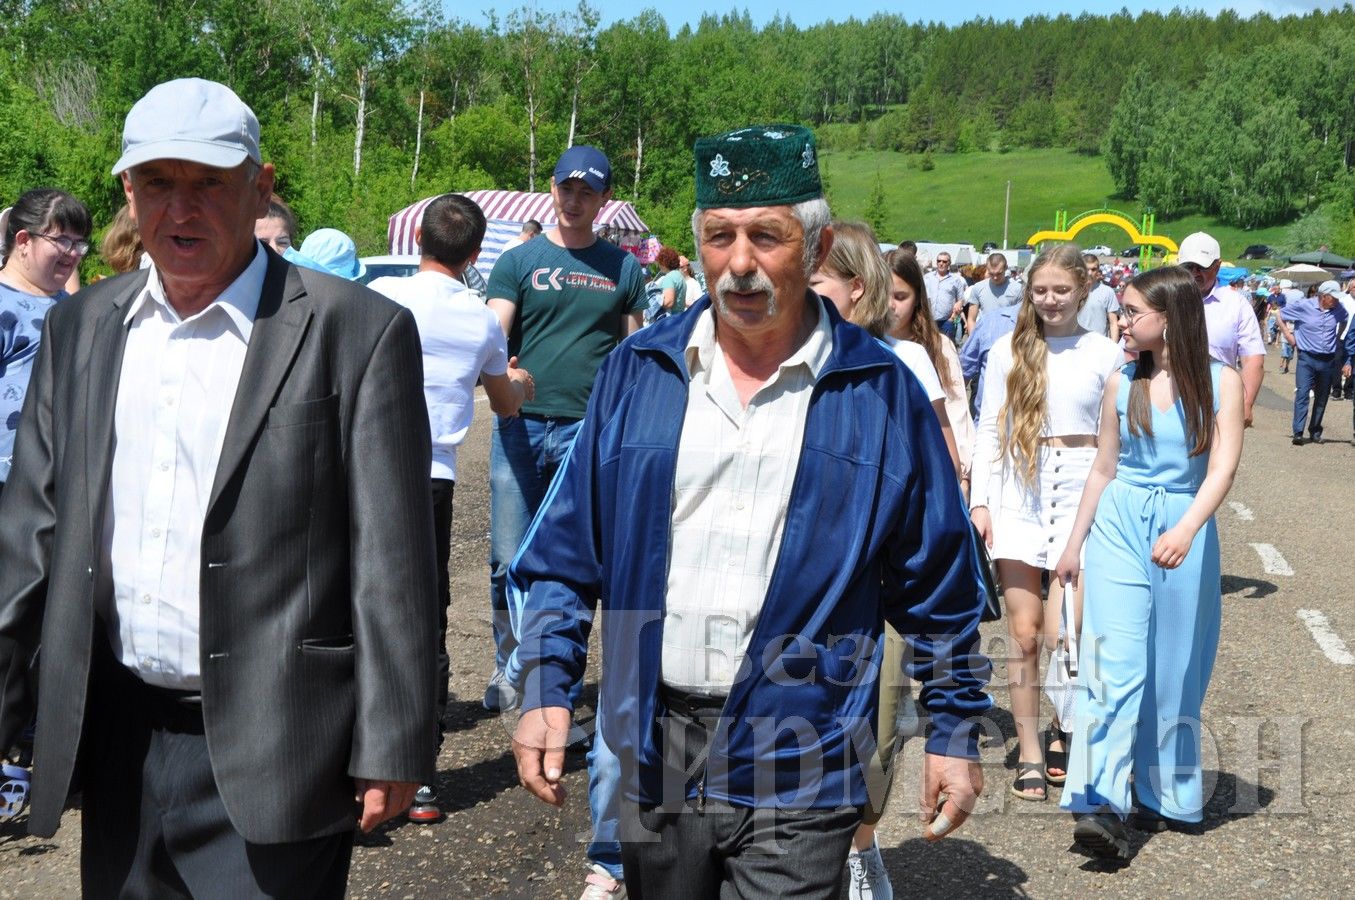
x,y
1171,437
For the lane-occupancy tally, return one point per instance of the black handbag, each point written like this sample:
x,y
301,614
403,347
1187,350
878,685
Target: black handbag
x,y
992,587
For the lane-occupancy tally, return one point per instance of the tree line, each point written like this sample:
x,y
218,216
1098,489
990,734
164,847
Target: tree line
x,y
367,105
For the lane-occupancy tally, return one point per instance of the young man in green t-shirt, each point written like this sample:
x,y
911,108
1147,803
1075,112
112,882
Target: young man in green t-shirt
x,y
564,300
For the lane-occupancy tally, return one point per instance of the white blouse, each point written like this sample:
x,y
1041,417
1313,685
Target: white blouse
x,y
1077,369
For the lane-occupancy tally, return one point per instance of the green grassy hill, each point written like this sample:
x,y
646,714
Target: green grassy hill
x,y
961,199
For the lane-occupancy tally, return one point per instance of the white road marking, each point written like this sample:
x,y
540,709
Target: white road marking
x,y
1329,641
1242,512
1273,560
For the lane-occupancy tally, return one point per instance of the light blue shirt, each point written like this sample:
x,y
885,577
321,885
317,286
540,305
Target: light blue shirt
x,y
974,353
21,318
1315,328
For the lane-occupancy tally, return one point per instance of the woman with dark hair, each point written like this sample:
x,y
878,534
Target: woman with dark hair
x,y
277,228
1171,438
908,295
46,235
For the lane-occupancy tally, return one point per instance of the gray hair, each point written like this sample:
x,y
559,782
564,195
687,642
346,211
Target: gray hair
x,y
813,216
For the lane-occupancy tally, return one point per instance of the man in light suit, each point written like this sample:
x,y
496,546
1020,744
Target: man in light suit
x,y
218,529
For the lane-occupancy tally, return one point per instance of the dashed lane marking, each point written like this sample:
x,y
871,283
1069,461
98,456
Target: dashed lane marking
x,y
1273,560
1329,641
1242,512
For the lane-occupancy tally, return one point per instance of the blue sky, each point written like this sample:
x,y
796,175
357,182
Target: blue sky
x,y
810,12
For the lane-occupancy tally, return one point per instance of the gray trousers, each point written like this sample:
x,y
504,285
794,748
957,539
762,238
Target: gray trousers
x,y
153,824
679,851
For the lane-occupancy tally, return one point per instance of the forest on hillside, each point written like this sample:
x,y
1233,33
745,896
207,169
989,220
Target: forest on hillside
x,y
367,105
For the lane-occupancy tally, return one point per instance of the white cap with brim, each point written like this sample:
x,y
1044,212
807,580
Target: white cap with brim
x,y
193,120
1330,288
1200,249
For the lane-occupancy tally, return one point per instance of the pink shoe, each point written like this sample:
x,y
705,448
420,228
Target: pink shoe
x,y
601,886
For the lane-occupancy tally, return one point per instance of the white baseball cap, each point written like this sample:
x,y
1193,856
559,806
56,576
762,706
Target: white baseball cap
x,y
1200,249
1286,284
190,119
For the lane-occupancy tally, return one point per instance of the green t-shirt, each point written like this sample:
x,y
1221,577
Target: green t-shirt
x,y
571,309
678,283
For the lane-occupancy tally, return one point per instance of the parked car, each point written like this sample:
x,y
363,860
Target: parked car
x,y
1099,250
1258,251
402,266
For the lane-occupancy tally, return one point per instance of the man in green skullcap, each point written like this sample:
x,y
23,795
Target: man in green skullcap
x,y
756,487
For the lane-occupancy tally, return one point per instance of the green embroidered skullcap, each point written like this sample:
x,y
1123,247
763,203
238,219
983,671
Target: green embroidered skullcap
x,y
763,165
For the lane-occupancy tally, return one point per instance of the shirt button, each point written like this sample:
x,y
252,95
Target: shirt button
x,y
155,532
147,662
169,401
145,598
164,467
738,504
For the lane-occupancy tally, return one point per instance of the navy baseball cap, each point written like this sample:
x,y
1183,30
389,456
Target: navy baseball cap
x,y
588,163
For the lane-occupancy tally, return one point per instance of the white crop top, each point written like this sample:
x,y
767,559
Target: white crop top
x,y
1077,366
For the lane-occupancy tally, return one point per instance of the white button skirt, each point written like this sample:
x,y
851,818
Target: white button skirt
x,y
1031,523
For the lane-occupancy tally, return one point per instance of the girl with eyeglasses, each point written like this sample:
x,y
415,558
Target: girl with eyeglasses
x,y
46,233
1038,422
1171,438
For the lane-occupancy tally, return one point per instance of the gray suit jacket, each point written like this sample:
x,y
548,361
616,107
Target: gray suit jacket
x,y
318,610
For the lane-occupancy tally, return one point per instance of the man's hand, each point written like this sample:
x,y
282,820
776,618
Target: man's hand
x,y
523,378
382,800
960,781
539,747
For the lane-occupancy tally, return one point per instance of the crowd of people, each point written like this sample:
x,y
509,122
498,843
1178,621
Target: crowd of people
x,y
226,501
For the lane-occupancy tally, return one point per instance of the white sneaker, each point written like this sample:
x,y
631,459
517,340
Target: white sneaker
x,y
601,886
869,881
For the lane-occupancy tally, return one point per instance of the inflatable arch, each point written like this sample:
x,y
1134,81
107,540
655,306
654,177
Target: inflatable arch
x,y
1140,233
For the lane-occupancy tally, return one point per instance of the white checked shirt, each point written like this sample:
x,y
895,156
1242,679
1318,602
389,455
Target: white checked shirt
x,y
175,393
735,469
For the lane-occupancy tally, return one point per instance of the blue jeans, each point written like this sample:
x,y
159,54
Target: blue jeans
x,y
524,454
1314,374
604,801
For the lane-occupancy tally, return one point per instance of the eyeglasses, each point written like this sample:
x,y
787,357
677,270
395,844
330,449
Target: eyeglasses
x,y
1131,318
79,248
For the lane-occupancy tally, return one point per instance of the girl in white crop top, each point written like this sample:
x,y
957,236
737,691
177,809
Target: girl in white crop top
x,y
1038,421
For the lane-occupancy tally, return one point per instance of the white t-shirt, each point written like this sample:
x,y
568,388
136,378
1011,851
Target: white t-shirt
x,y
919,363
462,340
1077,368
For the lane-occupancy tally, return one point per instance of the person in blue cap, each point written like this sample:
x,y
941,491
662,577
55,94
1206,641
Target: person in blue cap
x,y
564,299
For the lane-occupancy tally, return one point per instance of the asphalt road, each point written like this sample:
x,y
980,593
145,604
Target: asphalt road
x,y
1280,735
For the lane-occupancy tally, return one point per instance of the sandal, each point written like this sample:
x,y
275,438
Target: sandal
x,y
1029,776
1056,759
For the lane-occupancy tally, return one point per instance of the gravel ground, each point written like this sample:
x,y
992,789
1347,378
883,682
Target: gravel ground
x,y
1280,737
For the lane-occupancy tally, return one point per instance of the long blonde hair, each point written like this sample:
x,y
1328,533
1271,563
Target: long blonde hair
x,y
921,329
1026,409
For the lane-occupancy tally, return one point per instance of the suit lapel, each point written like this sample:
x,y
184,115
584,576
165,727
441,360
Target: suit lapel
x,y
107,343
278,329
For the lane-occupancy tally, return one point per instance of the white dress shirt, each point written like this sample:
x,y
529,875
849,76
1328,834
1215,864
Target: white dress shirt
x,y
735,469
175,393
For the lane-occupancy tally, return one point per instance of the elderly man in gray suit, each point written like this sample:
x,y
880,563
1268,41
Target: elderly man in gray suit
x,y
218,530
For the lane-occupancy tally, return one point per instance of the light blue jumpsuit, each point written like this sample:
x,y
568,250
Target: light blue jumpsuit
x,y
1148,634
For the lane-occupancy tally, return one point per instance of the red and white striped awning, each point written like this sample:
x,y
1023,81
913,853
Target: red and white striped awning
x,y
511,206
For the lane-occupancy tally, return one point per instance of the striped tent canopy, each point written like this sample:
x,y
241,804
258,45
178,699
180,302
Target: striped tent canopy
x,y
507,211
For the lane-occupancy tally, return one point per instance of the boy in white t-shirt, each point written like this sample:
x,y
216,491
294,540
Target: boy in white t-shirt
x,y
462,343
